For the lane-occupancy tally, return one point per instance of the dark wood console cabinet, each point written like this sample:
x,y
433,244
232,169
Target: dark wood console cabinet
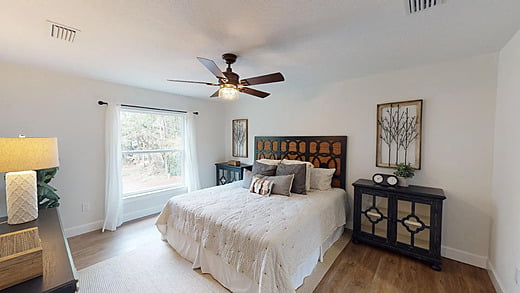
x,y
407,220
227,173
59,273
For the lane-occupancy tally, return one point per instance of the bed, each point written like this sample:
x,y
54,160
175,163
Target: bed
x,y
253,243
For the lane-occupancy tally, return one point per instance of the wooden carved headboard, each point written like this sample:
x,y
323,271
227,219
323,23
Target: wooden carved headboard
x,y
321,151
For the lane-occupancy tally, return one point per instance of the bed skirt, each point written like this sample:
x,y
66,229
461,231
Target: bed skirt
x,y
235,281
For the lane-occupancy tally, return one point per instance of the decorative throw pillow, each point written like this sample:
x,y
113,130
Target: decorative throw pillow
x,y
247,176
321,178
264,169
281,184
261,186
309,166
299,171
269,161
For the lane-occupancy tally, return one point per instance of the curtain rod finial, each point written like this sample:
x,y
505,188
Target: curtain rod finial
x,y
195,112
101,103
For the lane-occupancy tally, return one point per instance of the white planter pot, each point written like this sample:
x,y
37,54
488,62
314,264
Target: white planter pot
x,y
403,181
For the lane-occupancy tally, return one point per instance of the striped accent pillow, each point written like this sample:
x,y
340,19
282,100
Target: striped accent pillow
x,y
261,186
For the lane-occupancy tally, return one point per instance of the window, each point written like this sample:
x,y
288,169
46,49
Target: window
x,y
152,145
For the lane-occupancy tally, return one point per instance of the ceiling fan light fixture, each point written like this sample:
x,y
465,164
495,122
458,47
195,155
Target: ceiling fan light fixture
x,y
229,82
228,92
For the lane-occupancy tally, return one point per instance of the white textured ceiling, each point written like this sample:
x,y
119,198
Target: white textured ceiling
x,y
143,42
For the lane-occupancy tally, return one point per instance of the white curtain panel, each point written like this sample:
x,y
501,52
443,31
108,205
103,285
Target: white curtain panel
x,y
113,189
190,161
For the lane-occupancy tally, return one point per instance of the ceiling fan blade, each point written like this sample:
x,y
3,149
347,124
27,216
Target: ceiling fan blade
x,y
254,92
215,94
211,66
268,78
190,81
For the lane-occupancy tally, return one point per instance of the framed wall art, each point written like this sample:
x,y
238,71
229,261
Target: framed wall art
x,y
399,134
239,127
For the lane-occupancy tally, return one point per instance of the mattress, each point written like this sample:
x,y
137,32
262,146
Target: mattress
x,y
269,243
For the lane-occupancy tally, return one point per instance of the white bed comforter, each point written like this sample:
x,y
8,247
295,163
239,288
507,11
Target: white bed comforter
x,y
265,238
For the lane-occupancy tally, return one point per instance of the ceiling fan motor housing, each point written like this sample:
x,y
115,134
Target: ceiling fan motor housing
x,y
231,77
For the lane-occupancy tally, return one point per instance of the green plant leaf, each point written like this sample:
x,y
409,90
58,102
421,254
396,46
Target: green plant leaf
x,y
47,196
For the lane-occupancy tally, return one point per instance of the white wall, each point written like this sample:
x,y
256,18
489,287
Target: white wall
x,y
458,119
504,249
38,102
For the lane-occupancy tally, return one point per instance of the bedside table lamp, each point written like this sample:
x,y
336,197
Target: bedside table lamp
x,y
19,156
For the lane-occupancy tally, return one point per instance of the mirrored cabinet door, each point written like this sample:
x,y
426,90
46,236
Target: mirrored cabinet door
x,y
374,218
413,224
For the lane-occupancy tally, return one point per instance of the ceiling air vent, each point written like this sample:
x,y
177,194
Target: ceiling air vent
x,y
415,6
63,32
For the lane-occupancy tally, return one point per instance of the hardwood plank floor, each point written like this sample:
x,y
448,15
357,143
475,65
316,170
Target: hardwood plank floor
x,y
362,268
359,268
91,248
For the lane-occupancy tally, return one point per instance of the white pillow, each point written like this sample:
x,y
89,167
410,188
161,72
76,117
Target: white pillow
x,y
268,161
321,178
308,167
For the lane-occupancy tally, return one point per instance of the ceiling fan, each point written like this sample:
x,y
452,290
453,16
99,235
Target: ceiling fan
x,y
229,83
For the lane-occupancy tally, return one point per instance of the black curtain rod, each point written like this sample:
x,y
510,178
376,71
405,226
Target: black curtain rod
x,y
101,103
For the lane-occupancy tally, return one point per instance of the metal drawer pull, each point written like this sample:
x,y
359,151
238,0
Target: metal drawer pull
x,y
413,223
372,214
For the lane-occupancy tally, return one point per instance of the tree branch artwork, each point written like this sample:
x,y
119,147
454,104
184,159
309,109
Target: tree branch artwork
x,y
399,134
240,138
408,134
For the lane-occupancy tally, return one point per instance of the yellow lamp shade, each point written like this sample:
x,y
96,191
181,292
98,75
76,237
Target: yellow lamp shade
x,y
28,153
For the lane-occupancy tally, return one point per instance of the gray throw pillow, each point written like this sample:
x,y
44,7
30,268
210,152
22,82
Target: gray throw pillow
x,y
281,184
247,178
264,169
299,172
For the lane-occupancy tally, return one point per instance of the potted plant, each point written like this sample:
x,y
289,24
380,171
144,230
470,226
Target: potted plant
x,y
47,197
403,172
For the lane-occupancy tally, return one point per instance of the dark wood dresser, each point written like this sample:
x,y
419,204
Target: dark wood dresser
x,y
227,173
407,220
59,273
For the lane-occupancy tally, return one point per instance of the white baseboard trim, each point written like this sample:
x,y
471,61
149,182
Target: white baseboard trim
x,y
464,256
142,213
494,278
453,253
82,229
97,225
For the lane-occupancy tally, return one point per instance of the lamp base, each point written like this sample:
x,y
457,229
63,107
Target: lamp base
x,y
21,197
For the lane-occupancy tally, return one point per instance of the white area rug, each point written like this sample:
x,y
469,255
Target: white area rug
x,y
158,268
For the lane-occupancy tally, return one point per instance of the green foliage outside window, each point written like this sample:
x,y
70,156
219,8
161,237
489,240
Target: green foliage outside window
x,y
150,131
152,145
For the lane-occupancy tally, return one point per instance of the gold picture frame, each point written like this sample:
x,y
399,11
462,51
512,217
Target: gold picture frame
x,y
239,138
399,134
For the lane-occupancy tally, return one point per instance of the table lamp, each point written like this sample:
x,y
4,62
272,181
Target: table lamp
x,y
19,157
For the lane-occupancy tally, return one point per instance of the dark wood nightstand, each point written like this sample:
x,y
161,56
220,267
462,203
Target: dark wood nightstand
x,y
227,173
407,220
59,273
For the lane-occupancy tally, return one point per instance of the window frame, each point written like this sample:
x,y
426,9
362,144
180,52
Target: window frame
x,y
182,151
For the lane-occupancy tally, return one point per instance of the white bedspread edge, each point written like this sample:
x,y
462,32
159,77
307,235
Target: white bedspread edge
x,y
225,274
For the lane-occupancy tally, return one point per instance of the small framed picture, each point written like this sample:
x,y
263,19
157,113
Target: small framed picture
x,y
240,141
